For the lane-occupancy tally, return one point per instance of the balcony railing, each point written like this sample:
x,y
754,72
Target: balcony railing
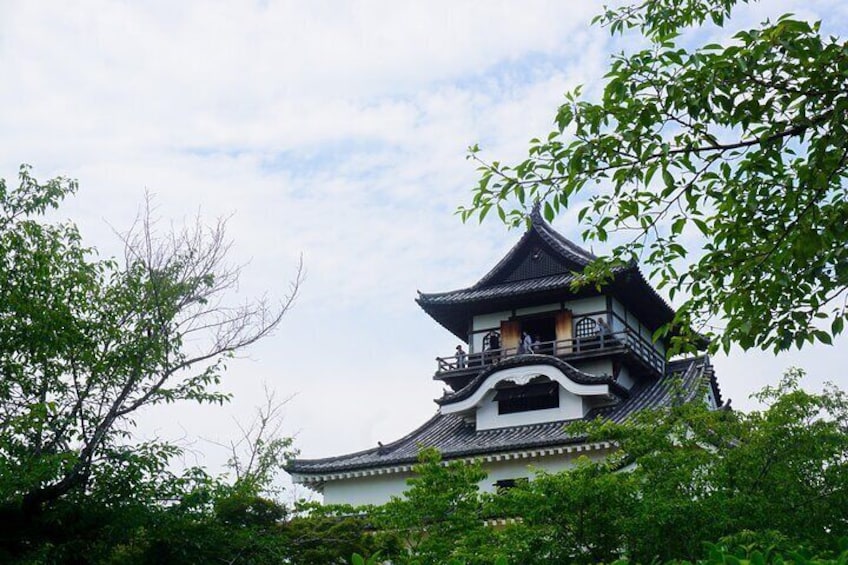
x,y
563,349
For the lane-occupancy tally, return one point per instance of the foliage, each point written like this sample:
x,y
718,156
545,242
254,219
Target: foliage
x,y
87,342
439,517
741,146
773,481
578,516
753,548
331,534
708,474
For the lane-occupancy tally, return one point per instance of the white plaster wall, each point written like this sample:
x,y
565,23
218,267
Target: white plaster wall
x,y
365,490
570,407
527,468
489,321
587,305
659,346
379,489
618,308
648,335
644,332
537,309
624,378
476,343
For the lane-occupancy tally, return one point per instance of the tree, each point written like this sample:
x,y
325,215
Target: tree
x,y
440,516
87,342
742,147
321,535
578,516
682,476
685,483
707,474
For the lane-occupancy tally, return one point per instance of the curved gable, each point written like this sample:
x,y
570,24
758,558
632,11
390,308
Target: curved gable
x,y
521,375
521,362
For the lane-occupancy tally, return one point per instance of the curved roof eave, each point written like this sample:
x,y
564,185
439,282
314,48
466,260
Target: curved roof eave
x,y
454,438
568,370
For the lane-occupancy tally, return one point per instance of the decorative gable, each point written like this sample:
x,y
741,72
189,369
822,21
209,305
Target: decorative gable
x,y
541,252
538,262
530,390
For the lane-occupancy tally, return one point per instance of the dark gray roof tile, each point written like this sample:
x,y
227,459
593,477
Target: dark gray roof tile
x,y
454,438
513,288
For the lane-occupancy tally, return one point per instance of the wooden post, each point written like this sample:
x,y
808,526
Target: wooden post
x,y
564,324
510,335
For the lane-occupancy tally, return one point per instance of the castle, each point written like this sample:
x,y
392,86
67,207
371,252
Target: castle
x,y
540,355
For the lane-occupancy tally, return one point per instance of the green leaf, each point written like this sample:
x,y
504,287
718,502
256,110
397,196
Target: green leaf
x,y
823,337
740,150
649,173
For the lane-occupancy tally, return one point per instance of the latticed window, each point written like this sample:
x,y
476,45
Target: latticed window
x,y
587,327
505,484
492,340
524,398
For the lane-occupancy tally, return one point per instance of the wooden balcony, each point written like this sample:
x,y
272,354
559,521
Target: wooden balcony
x,y
625,342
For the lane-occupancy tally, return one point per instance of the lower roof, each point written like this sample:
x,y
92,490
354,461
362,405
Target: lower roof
x,y
455,438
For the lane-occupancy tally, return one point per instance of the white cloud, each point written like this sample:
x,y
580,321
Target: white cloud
x,y
333,129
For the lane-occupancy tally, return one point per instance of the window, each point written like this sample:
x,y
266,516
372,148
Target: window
x,y
586,327
504,485
586,336
492,340
533,396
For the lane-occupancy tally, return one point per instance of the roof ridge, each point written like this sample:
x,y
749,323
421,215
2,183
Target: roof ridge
x,y
380,450
549,235
545,229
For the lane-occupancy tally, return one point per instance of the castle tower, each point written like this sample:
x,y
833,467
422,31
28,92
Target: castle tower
x,y
539,355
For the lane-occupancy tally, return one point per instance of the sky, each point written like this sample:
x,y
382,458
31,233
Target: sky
x,y
335,131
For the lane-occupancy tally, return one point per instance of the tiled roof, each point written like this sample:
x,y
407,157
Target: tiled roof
x,y
546,280
455,438
475,293
568,250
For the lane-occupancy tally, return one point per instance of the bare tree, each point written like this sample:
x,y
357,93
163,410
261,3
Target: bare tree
x,y
261,450
85,342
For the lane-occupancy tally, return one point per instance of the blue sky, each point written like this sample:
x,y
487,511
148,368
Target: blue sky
x,y
333,130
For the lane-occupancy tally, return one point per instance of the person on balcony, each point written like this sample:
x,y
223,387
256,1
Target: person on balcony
x,y
492,352
526,344
461,357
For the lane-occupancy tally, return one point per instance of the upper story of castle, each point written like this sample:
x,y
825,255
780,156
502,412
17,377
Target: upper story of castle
x,y
527,304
